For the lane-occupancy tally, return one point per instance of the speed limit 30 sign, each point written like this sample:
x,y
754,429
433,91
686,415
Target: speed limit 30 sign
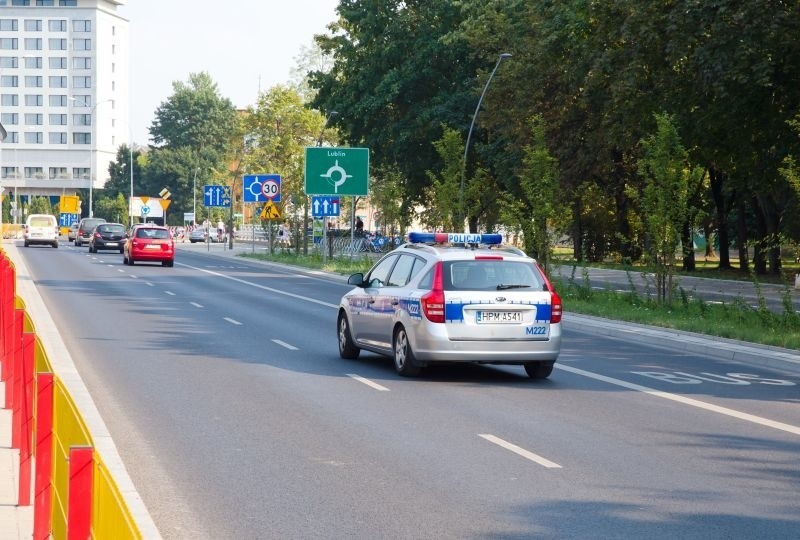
x,y
262,187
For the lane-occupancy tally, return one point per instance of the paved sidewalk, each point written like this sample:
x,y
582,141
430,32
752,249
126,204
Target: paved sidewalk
x,y
16,522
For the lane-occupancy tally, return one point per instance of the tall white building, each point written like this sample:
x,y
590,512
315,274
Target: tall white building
x,y
64,97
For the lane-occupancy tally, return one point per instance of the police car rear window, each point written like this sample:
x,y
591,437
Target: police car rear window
x,y
491,275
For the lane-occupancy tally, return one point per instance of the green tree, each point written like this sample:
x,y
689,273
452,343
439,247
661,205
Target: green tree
x,y
112,208
444,204
664,168
119,172
40,205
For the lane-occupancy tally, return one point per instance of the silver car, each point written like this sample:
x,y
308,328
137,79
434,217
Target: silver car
x,y
451,297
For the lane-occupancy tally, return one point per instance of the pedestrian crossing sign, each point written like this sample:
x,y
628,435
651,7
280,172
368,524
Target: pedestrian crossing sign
x,y
270,211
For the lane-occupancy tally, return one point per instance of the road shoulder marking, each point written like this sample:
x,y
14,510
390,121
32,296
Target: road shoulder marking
x,y
685,400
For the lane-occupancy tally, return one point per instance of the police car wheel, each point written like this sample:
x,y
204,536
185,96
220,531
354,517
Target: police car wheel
x,y
404,361
347,348
539,370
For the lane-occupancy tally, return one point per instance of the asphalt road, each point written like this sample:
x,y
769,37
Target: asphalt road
x,y
221,385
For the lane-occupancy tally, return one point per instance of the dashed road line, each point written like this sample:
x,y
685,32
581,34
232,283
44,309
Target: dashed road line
x,y
195,304
368,382
544,462
169,293
232,321
284,344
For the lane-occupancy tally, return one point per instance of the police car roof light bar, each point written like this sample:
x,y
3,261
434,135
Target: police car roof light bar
x,y
454,238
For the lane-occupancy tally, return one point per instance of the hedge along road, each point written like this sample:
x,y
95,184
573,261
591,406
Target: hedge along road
x,y
222,386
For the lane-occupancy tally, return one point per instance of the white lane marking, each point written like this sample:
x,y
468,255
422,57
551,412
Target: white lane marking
x,y
232,321
134,277
149,284
120,270
544,462
170,293
262,287
686,400
368,382
110,265
284,344
195,304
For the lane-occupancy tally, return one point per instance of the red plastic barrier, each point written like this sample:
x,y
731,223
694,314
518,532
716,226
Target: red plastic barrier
x,y
44,456
26,418
14,377
79,512
8,284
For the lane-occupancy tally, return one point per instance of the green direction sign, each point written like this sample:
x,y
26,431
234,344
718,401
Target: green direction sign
x,y
337,171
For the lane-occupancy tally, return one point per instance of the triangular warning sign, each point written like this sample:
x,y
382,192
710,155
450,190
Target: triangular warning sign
x,y
270,211
144,200
164,203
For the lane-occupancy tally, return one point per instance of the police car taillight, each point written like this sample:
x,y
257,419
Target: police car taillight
x,y
433,301
555,307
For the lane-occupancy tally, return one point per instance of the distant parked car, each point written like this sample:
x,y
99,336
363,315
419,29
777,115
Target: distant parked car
x,y
107,236
149,243
85,229
199,235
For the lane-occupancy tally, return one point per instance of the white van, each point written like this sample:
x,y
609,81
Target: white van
x,y
41,229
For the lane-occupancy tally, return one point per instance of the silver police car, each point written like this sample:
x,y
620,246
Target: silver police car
x,y
453,297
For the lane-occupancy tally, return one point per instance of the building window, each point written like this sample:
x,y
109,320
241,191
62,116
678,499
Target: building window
x,y
34,137
10,172
33,25
57,44
58,82
34,100
33,172
82,119
57,137
20,2
46,2
68,3
8,62
9,81
9,119
58,101
82,44
80,172
33,44
81,62
82,138
57,25
57,119
9,100
57,62
81,26
59,172
33,62
8,25
9,44
81,82
34,119
13,137
81,101
33,81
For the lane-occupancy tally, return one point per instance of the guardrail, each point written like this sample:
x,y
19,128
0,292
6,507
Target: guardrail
x,y
75,494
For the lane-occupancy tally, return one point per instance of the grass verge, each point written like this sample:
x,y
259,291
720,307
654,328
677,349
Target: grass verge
x,y
735,320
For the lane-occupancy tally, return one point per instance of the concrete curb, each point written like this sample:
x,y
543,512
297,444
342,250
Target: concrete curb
x,y
721,348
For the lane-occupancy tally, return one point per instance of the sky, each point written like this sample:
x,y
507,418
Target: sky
x,y
245,45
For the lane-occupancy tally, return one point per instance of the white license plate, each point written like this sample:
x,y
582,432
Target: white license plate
x,y
109,244
152,246
498,317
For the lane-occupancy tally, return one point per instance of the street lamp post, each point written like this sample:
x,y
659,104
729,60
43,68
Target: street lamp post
x,y
194,197
91,147
469,136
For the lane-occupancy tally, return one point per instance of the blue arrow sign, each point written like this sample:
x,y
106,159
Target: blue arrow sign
x,y
65,220
217,196
262,187
325,206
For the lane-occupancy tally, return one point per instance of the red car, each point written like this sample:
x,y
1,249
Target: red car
x,y
149,243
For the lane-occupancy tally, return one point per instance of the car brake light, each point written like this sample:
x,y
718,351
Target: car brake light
x,y
555,307
488,257
433,300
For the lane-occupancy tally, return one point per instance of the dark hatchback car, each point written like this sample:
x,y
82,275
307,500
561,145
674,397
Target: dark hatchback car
x,y
108,236
85,229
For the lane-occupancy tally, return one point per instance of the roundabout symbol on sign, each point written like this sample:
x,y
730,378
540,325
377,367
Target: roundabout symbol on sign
x,y
270,189
343,176
145,210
